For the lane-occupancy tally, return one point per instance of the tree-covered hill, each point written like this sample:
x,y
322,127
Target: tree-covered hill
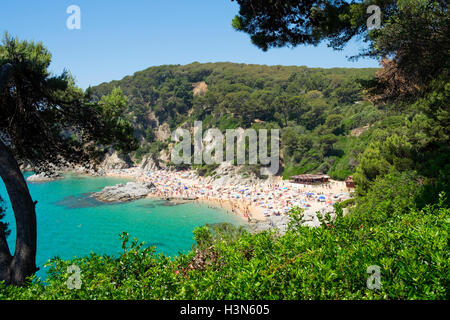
x,y
315,108
398,148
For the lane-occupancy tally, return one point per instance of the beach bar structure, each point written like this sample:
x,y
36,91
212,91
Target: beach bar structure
x,y
310,178
349,182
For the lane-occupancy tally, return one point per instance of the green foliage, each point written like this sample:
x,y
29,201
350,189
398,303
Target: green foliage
x,y
47,117
400,156
314,107
114,104
413,45
330,262
117,127
415,37
203,237
416,140
346,203
394,192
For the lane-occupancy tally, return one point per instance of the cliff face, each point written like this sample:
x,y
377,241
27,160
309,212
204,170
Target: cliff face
x,y
162,132
49,171
149,164
115,161
200,88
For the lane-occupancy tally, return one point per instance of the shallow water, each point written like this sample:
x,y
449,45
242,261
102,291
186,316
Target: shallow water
x,y
70,223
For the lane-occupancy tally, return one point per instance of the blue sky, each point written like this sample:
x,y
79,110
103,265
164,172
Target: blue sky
x,y
118,37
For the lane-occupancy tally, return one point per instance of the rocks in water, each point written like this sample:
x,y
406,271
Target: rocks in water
x,y
125,192
174,201
44,177
171,203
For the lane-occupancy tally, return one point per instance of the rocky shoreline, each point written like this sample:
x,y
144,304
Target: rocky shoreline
x,y
280,223
124,192
115,165
111,161
44,177
132,191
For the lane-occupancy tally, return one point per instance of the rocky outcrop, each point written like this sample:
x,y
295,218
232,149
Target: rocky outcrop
x,y
162,133
149,164
200,88
114,161
44,177
26,166
164,158
111,161
358,131
91,170
280,223
227,173
273,222
124,192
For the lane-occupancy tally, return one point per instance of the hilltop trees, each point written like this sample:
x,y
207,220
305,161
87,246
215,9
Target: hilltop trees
x,y
415,46
310,102
412,87
413,38
295,22
404,152
272,24
40,113
117,131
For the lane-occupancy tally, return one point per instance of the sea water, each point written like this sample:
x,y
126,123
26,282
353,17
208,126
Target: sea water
x,y
70,223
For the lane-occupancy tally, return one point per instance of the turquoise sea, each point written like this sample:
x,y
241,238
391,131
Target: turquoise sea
x,y
72,224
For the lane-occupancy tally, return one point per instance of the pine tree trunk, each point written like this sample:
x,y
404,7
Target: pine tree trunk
x,y
15,269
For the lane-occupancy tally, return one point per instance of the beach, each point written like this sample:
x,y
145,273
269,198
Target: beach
x,y
254,201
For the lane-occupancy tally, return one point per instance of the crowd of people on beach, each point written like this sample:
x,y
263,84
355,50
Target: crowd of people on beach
x,y
252,200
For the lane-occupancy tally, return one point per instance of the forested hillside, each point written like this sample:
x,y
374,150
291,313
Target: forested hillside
x,y
317,109
390,127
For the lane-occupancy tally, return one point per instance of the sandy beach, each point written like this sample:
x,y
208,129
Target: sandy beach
x,y
252,201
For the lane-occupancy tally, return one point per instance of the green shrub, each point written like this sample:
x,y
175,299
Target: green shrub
x,y
330,262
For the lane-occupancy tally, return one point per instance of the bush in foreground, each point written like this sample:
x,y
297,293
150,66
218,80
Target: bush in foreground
x,y
330,262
